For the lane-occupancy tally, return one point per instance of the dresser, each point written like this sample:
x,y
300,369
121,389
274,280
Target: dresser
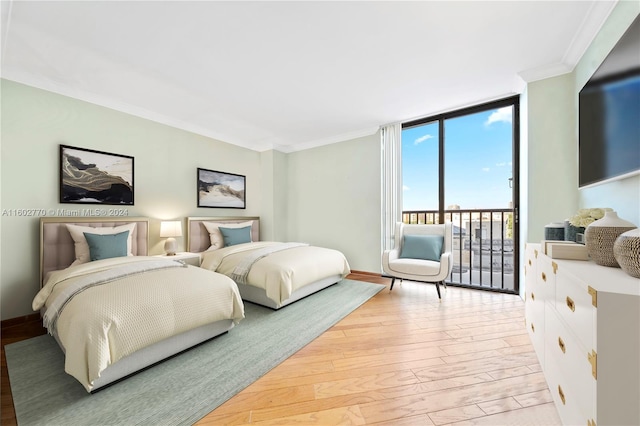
x,y
584,324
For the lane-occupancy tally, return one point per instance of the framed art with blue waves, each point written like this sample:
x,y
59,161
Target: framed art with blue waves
x,y
95,177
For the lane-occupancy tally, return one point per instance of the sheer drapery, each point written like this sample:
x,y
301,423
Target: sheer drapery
x,y
391,181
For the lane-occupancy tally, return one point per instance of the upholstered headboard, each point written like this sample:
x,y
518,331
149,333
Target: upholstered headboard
x,y
57,250
198,237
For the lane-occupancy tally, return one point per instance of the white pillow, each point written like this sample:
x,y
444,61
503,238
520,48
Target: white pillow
x,y
83,254
217,241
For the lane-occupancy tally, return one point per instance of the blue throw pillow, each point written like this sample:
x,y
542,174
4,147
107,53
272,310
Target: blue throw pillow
x,y
427,247
107,246
233,236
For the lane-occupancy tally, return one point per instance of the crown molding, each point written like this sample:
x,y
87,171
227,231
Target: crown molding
x,y
92,98
589,28
327,141
546,71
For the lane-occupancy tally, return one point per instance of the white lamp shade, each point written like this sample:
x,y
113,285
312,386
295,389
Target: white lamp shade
x,y
171,228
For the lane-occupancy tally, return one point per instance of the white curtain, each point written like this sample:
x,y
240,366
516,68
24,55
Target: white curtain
x,y
391,181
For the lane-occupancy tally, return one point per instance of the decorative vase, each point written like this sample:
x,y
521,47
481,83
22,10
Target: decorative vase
x,y
626,250
571,231
601,235
554,231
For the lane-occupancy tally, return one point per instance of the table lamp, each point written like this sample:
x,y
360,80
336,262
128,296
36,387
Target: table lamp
x,y
169,230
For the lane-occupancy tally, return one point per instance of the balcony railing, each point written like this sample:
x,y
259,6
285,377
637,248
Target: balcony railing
x,y
483,246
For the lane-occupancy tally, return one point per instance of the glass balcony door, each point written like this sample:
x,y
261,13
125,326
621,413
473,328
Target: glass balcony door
x,y
462,167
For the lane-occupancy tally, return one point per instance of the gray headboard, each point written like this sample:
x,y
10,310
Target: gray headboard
x,y
198,237
57,250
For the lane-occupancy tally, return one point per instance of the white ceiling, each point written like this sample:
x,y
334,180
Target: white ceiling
x,y
291,75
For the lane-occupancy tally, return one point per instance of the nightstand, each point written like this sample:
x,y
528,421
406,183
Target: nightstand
x,y
187,257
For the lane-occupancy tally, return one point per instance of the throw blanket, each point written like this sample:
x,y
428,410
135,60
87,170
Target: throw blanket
x,y
99,278
242,269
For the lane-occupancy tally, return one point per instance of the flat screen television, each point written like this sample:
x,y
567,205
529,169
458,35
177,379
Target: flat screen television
x,y
609,115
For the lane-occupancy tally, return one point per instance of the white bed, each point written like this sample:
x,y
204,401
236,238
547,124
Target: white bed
x,y
117,315
278,274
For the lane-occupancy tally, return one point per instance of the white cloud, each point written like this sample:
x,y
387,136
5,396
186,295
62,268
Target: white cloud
x,y
501,114
422,139
485,169
405,188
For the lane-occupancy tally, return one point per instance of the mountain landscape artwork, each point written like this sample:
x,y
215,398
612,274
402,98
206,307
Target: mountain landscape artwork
x,y
222,190
95,177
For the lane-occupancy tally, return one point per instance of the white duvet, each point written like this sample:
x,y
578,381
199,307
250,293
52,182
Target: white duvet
x,y
282,272
105,310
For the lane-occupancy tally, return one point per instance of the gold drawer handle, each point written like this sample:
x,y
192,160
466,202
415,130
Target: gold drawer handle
x,y
533,328
533,296
561,395
570,304
562,346
592,357
529,262
544,277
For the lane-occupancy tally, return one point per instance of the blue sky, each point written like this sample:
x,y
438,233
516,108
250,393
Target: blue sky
x,y
478,162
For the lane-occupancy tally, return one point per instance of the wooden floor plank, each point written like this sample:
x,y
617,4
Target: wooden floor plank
x,y
499,405
450,398
456,414
480,370
364,384
539,415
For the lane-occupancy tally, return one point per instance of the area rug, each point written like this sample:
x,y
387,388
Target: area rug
x,y
182,389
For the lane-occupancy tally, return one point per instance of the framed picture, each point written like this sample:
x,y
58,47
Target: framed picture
x,y
95,177
221,190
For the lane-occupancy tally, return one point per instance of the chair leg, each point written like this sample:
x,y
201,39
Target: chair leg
x,y
438,289
393,280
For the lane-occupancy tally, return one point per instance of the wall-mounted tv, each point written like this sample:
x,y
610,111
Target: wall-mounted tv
x,y
609,115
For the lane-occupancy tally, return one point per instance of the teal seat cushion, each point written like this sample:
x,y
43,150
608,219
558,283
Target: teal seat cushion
x,y
107,245
233,236
426,247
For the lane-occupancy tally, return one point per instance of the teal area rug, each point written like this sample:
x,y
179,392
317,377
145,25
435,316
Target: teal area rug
x,y
182,389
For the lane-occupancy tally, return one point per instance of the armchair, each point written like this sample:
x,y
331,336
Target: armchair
x,y
421,253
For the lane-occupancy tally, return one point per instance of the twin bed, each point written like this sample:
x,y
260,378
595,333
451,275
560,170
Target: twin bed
x,y
267,273
114,310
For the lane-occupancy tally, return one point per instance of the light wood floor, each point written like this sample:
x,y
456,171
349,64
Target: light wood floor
x,y
402,358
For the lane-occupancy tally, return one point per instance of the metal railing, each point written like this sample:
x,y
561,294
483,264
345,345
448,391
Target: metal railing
x,y
483,246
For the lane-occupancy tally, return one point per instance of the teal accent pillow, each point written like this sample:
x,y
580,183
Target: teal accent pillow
x,y
106,246
427,247
233,236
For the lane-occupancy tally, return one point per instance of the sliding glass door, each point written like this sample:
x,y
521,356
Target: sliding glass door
x,y
462,167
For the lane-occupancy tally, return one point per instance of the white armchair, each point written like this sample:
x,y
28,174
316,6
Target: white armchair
x,y
417,255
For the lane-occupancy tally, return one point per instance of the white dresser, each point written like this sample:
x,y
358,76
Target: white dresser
x,y
584,323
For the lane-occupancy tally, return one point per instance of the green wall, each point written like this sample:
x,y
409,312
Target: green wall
x,y
334,199
552,191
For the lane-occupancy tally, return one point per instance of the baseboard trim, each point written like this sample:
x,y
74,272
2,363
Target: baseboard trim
x,y
12,322
371,274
